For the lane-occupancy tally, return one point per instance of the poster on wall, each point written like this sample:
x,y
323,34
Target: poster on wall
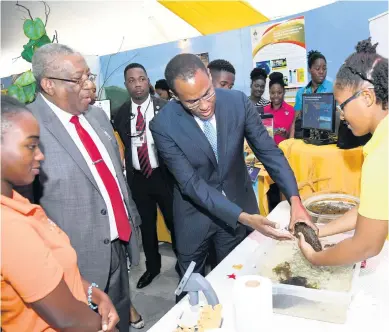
x,y
281,47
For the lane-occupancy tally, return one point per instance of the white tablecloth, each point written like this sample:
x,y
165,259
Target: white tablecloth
x,y
369,308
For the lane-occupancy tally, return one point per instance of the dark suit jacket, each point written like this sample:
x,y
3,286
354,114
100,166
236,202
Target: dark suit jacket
x,y
122,124
198,198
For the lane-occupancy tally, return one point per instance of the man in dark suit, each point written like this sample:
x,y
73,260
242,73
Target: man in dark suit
x,y
200,138
150,182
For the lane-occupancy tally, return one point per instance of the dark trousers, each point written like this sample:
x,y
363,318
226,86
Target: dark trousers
x,y
223,240
147,194
118,288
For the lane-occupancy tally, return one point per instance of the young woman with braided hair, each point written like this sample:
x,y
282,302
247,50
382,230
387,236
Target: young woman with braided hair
x,y
361,91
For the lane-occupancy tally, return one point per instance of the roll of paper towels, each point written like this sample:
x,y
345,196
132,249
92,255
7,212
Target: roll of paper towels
x,y
253,303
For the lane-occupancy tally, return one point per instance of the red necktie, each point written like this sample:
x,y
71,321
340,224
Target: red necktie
x,y
122,223
143,152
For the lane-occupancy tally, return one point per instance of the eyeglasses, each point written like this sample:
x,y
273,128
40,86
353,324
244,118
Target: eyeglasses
x,y
195,103
341,107
81,81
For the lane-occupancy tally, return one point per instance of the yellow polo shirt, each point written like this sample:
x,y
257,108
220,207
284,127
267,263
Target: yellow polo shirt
x,y
374,179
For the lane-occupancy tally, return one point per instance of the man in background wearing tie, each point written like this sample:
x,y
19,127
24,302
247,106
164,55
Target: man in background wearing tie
x,y
150,182
81,185
200,138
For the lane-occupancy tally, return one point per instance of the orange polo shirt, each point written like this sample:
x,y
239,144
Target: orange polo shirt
x,y
35,256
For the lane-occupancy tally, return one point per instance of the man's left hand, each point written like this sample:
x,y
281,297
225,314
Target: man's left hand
x,y
298,213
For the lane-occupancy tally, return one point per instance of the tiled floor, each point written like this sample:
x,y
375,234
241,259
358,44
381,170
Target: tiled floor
x,y
153,301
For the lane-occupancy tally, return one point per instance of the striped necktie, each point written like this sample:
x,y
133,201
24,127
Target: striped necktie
x,y
143,152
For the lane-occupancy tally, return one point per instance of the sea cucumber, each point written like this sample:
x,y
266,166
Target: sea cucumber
x,y
309,235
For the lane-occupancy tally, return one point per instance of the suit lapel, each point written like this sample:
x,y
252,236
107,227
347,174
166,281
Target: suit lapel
x,y
54,125
191,129
156,104
222,134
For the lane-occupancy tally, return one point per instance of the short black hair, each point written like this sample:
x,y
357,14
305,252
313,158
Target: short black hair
x,y
133,65
277,78
365,65
183,66
221,65
162,84
258,73
10,107
313,56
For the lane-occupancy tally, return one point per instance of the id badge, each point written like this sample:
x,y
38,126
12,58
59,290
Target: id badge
x,y
139,140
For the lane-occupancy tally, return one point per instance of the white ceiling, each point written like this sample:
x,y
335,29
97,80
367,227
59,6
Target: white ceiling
x,y
104,27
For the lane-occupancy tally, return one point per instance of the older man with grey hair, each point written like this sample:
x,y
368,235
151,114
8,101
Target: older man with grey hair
x,y
81,185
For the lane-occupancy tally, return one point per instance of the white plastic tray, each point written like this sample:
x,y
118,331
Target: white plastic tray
x,y
318,304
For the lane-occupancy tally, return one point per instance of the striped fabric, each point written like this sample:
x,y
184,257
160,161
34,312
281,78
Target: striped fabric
x,y
262,102
143,153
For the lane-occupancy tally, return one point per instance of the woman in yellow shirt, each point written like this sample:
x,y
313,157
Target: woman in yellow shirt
x,y
361,90
41,285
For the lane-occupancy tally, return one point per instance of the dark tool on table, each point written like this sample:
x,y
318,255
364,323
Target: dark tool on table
x,y
193,283
309,235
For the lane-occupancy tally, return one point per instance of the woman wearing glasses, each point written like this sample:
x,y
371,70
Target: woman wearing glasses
x,y
361,90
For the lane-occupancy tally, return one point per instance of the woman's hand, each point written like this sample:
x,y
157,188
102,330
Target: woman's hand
x,y
306,249
109,316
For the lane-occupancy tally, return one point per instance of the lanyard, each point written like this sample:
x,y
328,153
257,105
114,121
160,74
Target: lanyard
x,y
132,116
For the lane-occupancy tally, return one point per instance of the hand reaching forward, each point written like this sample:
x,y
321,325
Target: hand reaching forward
x,y
264,226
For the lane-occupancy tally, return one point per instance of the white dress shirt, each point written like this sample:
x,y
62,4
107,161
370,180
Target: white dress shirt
x,y
146,108
65,117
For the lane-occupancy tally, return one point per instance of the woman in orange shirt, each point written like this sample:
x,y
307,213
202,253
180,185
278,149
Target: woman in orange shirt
x,y
41,286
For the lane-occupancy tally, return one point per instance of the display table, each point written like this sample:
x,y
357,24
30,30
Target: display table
x,y
369,308
317,168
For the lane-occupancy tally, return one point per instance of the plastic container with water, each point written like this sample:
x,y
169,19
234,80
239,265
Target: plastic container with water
x,y
318,304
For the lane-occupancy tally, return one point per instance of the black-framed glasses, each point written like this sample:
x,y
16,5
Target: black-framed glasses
x,y
81,81
341,107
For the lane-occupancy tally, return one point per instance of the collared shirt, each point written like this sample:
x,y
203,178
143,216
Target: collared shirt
x,y
200,122
65,117
326,86
147,110
283,119
35,256
374,179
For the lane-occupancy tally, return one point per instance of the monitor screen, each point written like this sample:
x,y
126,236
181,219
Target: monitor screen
x,y
319,111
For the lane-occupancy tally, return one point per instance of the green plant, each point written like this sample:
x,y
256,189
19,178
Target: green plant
x,y
24,86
